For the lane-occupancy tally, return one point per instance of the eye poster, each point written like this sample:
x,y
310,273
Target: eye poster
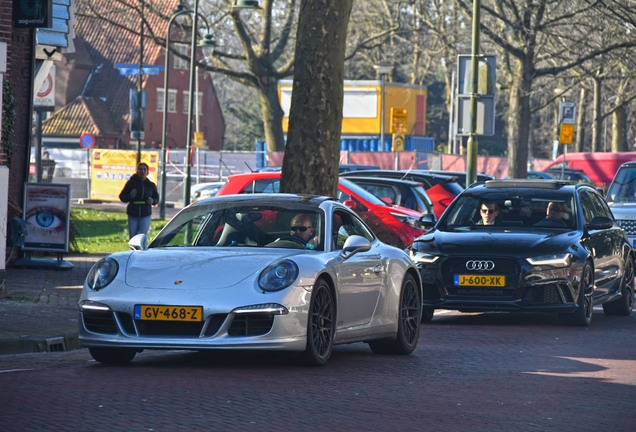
x,y
47,214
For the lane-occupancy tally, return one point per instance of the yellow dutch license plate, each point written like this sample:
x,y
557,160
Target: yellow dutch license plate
x,y
479,280
168,313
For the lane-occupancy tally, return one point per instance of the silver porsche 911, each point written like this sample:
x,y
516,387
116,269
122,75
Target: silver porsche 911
x,y
266,271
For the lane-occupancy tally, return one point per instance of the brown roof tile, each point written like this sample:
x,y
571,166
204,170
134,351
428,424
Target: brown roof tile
x,y
82,115
108,43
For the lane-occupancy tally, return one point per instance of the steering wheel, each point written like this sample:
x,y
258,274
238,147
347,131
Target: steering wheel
x,y
293,239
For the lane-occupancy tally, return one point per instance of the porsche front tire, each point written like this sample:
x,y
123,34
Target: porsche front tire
x,y
320,326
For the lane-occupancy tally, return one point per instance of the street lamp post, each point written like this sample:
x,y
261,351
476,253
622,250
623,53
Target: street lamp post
x,y
166,71
207,42
382,70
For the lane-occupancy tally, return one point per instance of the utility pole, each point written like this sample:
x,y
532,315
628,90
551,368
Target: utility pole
x,y
472,145
140,79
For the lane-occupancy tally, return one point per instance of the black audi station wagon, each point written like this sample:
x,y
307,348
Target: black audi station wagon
x,y
527,245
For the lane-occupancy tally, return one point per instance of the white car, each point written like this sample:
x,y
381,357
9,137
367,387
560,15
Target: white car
x,y
201,191
621,199
230,272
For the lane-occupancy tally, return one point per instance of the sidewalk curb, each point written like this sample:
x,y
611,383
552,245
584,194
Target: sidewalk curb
x,y
35,344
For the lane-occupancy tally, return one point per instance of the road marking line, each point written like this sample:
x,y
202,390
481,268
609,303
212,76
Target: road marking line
x,y
15,370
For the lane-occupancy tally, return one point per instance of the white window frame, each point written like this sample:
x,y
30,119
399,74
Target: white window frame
x,y
172,100
180,63
186,102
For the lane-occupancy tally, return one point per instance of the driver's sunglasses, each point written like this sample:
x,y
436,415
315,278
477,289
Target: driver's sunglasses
x,y
299,228
487,210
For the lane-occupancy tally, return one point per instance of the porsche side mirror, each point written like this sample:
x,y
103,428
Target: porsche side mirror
x,y
138,242
428,220
353,245
601,191
351,204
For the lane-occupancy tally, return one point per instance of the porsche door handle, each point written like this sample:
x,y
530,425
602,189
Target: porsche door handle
x,y
377,269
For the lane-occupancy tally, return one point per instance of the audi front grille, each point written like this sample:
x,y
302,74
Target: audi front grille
x,y
507,267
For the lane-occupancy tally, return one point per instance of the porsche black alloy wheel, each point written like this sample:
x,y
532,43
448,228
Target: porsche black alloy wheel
x,y
112,355
320,326
408,322
625,304
583,315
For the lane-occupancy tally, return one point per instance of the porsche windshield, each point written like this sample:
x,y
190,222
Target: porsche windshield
x,y
232,224
520,210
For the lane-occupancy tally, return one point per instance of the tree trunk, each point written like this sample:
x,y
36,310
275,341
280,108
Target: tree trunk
x,y
519,120
272,115
619,132
597,121
312,153
578,143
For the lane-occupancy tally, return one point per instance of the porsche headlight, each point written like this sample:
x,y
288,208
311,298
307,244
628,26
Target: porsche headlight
x,y
278,276
558,260
422,257
102,273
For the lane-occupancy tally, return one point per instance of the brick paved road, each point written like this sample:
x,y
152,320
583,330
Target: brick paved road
x,y
490,372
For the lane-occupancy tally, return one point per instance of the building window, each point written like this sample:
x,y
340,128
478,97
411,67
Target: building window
x,y
180,63
172,100
186,102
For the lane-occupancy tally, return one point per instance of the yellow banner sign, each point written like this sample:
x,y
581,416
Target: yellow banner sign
x,y
567,133
399,120
111,169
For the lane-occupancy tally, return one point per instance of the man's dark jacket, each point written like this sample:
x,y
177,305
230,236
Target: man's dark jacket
x,y
138,205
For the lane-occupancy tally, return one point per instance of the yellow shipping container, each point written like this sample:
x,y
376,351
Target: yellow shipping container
x,y
363,105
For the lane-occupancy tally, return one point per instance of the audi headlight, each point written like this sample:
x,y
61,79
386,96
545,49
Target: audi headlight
x,y
278,276
422,257
102,273
558,260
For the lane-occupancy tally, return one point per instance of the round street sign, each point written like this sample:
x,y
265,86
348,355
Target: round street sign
x,y
87,141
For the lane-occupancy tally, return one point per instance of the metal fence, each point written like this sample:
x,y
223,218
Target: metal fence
x,y
69,166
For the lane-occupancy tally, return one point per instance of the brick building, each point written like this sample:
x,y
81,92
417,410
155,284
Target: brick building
x,y
17,66
91,95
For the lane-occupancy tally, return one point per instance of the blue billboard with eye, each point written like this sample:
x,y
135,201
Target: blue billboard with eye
x,y
47,216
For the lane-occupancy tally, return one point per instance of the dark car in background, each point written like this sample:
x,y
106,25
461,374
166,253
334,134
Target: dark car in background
x,y
461,176
525,262
571,174
441,189
355,167
405,193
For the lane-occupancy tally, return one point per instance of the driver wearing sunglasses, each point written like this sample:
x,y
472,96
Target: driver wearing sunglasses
x,y
489,210
302,227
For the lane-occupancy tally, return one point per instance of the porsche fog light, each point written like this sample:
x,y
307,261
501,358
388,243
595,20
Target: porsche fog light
x,y
102,273
422,257
278,276
558,260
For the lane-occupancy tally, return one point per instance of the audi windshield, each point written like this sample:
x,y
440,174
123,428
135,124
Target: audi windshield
x,y
511,211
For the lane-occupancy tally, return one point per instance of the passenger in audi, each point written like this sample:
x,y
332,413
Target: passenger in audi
x,y
489,211
555,212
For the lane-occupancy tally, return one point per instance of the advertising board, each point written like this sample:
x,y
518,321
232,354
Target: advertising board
x,y
111,169
47,216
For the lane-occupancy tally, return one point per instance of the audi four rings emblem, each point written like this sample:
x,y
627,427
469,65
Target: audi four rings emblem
x,y
480,265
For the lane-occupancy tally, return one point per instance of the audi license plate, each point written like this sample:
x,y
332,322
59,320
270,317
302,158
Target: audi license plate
x,y
168,313
476,280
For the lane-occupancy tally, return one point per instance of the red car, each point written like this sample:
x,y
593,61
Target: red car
x,y
394,225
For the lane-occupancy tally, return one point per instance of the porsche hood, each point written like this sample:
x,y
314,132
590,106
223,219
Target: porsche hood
x,y
194,268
